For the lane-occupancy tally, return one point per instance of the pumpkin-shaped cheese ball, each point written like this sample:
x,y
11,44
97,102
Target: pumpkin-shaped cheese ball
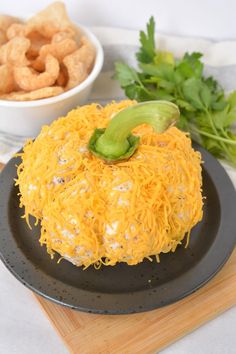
x,y
108,196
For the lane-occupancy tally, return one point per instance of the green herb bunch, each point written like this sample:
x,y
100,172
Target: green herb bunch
x,y
205,111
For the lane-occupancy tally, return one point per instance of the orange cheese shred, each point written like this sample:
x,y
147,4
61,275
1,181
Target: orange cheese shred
x,y
94,213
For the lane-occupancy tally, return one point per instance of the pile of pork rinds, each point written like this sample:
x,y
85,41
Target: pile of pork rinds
x,y
42,57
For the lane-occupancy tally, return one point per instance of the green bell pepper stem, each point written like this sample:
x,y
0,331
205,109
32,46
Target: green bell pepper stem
x,y
116,141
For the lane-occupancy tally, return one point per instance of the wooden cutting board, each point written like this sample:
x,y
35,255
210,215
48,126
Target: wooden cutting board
x,y
143,333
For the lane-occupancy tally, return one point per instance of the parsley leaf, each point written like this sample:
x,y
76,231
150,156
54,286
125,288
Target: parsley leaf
x,y
190,65
205,111
125,74
147,50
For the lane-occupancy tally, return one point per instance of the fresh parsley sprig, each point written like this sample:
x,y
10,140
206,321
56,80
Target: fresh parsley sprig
x,y
205,111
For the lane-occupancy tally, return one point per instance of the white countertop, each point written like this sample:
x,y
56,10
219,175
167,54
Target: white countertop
x,y
24,329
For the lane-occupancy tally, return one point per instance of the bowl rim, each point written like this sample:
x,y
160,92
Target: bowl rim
x,y
83,85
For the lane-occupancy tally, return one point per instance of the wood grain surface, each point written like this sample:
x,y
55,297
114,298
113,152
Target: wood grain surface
x,y
144,333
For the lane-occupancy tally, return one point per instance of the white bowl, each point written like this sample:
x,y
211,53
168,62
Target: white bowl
x,y
26,118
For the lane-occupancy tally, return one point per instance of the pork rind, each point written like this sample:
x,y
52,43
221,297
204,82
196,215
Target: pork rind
x,y
77,71
29,80
47,51
59,50
5,22
87,53
33,95
14,52
17,30
3,37
6,79
37,41
51,20
79,64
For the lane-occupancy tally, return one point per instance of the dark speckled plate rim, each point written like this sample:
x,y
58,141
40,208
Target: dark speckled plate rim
x,y
170,292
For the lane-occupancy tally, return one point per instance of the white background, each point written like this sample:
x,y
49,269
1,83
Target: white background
x,y
201,18
23,327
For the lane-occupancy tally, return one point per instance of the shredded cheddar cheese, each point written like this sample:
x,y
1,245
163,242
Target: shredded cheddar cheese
x,y
95,213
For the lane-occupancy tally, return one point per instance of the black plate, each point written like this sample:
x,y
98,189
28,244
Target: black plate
x,y
122,289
